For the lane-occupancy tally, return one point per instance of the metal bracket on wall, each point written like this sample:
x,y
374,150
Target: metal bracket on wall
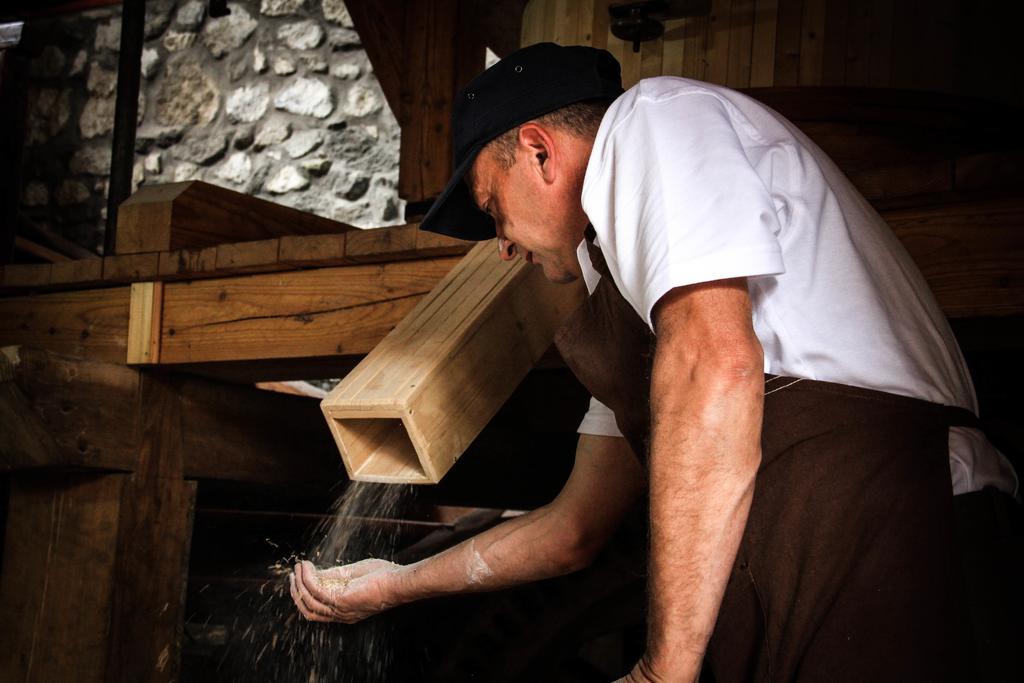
x,y
636,22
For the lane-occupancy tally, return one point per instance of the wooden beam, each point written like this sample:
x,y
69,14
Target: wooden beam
x,y
230,431
27,246
60,549
415,403
145,316
90,324
297,314
381,27
196,214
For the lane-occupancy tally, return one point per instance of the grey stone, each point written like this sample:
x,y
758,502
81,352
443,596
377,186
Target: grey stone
x,y
78,63
185,171
158,16
177,40
346,71
35,194
237,169
190,15
315,64
336,12
280,8
202,150
186,96
361,101
97,117
317,167
108,36
301,35
150,62
48,112
237,69
49,63
307,97
248,103
91,160
343,39
352,185
283,66
154,163
303,142
243,138
138,175
287,179
223,34
101,81
259,60
273,133
71,192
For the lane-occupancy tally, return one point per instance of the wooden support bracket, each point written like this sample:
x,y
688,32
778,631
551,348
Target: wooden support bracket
x,y
417,401
144,318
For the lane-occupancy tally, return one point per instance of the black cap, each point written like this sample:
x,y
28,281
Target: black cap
x,y
528,83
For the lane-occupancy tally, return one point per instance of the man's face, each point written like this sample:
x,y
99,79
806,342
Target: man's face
x,y
536,203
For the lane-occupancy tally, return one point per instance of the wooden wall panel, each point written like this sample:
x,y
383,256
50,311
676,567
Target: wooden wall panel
x,y
949,46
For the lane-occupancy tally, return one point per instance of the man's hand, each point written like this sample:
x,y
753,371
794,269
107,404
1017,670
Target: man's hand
x,y
348,593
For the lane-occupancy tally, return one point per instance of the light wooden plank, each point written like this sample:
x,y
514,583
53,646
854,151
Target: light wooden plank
x,y
87,271
836,28
27,246
651,54
189,262
695,48
673,47
414,404
599,30
762,59
533,22
254,256
297,314
131,267
741,40
145,310
307,250
787,43
719,29
585,22
27,275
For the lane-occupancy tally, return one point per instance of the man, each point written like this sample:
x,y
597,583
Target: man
x,y
801,414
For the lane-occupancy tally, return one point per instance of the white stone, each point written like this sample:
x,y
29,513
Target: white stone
x,y
343,39
259,60
316,167
108,36
71,192
287,179
346,71
248,103
223,34
97,117
78,63
190,15
186,96
35,194
283,66
185,171
154,163
138,175
301,35
303,142
202,150
150,62
237,169
280,8
315,64
177,40
307,97
102,82
336,12
361,101
273,133
158,16
91,160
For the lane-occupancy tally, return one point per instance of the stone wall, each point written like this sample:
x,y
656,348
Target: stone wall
x,y
276,100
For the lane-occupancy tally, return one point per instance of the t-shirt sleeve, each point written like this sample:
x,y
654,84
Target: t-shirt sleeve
x,y
599,421
676,201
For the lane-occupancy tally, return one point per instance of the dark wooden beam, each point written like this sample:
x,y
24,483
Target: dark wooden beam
x,y
129,74
14,64
381,29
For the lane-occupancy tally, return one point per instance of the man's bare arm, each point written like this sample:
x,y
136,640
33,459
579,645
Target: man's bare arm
x,y
556,539
706,407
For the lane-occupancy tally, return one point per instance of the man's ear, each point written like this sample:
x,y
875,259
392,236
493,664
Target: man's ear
x,y
537,142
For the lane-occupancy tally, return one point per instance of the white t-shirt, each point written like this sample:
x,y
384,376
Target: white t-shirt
x,y
691,182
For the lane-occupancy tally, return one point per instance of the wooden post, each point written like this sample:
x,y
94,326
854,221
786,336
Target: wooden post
x,y
412,407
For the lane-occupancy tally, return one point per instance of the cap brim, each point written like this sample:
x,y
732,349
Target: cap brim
x,y
455,213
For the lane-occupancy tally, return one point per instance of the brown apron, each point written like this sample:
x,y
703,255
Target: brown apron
x,y
847,570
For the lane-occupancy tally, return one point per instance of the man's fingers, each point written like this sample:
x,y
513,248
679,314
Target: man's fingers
x,y
308,604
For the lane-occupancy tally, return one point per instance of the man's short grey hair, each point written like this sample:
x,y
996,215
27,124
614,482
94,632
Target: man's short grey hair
x,y
582,119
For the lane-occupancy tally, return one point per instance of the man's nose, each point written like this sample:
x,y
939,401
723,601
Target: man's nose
x,y
507,249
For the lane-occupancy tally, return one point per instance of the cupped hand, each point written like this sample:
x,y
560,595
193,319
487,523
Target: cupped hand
x,y
346,594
